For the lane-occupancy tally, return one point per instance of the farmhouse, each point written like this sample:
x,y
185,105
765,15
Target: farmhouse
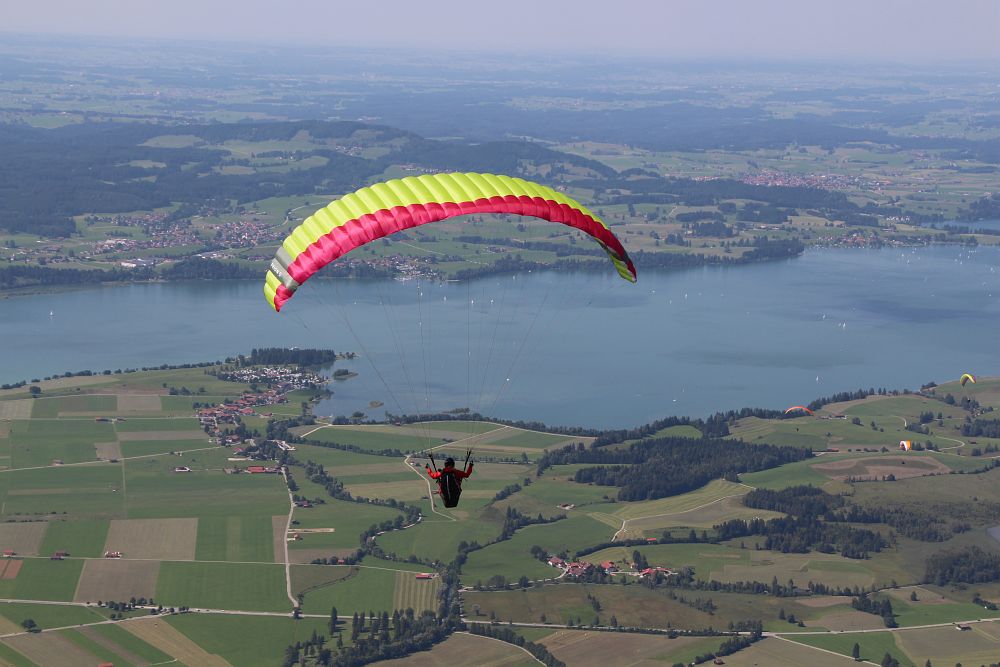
x,y
8,553
59,555
424,575
262,470
556,561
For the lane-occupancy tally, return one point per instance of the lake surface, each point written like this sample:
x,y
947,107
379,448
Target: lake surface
x,y
585,348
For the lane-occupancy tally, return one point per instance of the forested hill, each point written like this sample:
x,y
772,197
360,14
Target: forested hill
x,y
660,467
48,175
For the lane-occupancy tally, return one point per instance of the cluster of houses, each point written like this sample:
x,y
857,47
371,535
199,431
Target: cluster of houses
x,y
230,411
281,379
581,568
162,234
772,177
245,233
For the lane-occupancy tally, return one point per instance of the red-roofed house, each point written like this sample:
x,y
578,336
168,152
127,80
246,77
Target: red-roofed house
x,y
609,566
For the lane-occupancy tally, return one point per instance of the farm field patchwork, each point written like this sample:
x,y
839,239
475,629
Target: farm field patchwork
x,y
116,638
162,635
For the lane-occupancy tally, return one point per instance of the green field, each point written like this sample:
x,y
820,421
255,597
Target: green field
x,y
49,615
437,539
248,641
52,407
43,442
137,448
631,605
243,586
139,425
82,538
874,645
154,491
244,538
131,643
77,492
369,440
368,590
348,520
43,579
512,558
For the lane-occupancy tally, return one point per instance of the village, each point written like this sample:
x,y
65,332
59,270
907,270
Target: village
x,y
608,567
771,177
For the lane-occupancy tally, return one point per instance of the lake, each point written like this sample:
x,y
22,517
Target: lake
x,y
562,348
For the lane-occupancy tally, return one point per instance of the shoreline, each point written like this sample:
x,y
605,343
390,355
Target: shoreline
x,y
60,288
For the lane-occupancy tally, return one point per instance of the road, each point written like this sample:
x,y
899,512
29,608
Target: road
x,y
288,527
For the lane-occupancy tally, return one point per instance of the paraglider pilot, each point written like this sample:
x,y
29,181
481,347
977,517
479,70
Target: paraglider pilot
x,y
449,478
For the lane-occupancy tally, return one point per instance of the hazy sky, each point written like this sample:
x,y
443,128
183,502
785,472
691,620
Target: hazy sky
x,y
892,30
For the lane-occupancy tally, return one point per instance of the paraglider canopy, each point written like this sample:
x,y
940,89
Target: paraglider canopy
x,y
385,208
905,445
798,408
968,377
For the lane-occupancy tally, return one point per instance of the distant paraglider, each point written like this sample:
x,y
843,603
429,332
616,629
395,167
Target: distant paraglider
x,y
968,377
905,445
798,408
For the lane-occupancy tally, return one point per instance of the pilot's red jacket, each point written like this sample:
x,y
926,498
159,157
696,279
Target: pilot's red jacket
x,y
459,474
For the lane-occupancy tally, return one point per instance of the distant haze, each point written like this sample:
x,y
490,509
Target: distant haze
x,y
858,30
